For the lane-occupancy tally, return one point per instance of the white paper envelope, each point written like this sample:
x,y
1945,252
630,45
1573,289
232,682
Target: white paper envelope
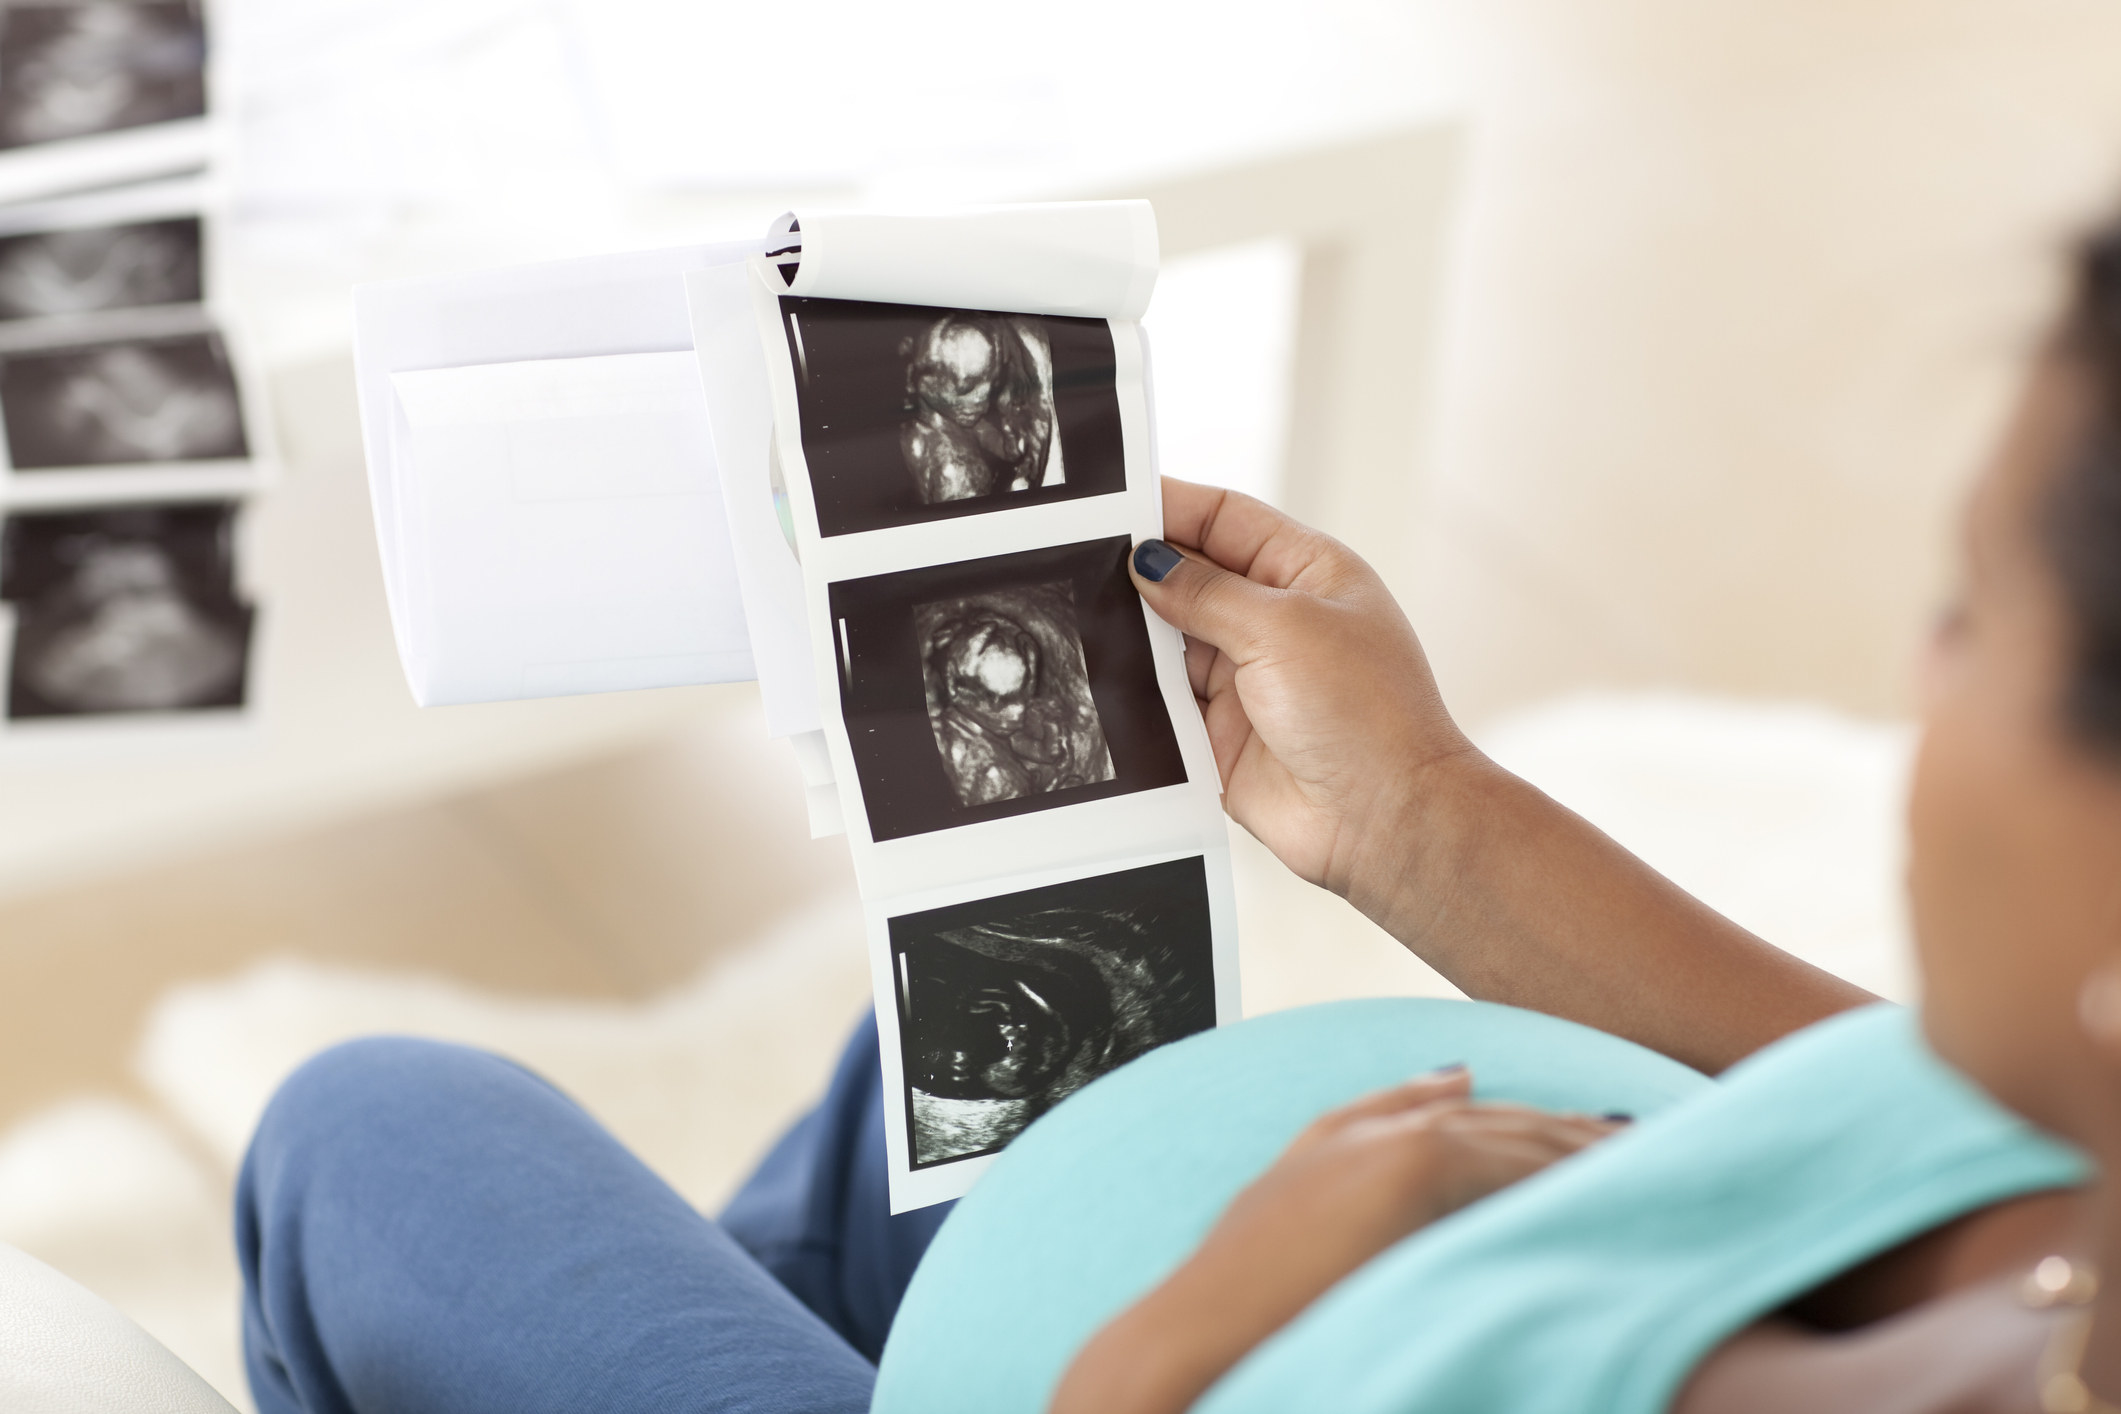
x,y
562,530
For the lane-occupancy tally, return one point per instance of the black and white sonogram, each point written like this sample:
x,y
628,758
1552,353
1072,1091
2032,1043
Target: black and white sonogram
x,y
996,687
1009,1005
911,412
132,609
100,267
1008,694
135,400
979,416
70,68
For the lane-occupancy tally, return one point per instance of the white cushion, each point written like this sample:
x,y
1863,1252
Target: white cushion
x,y
64,1350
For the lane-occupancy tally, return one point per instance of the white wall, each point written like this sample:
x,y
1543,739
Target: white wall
x,y
1743,289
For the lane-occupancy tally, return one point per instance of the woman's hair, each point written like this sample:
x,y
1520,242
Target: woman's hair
x,y
2084,511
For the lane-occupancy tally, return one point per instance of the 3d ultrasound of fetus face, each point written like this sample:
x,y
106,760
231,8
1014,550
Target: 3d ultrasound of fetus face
x,y
1004,1020
1009,695
124,637
981,421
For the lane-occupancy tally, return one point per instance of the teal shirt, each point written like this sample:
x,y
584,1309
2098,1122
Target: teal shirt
x,y
1597,1285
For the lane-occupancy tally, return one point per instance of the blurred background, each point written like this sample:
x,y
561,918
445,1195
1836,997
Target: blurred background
x,y
1645,345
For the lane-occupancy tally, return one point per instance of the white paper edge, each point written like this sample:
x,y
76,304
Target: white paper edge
x,y
381,310
740,415
1095,259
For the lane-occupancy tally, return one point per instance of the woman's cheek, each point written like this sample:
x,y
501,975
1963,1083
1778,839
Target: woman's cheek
x,y
1995,992
1934,887
1959,895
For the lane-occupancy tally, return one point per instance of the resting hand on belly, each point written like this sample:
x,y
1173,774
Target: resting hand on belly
x,y
1355,1182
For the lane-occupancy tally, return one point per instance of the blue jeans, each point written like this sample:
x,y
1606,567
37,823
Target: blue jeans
x,y
427,1227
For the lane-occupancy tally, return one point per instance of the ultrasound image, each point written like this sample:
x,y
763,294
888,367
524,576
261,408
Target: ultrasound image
x,y
1008,695
1009,1005
912,412
124,610
139,400
1000,686
980,420
103,267
70,68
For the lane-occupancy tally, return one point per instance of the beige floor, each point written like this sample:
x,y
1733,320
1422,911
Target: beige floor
x,y
613,878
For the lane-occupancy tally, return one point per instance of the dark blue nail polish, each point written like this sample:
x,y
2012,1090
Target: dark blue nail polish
x,y
1153,559
1452,1069
1618,1117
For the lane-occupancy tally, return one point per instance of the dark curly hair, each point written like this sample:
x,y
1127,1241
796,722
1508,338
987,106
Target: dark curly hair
x,y
2084,511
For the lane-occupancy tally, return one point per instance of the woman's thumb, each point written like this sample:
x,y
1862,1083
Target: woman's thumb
x,y
1199,597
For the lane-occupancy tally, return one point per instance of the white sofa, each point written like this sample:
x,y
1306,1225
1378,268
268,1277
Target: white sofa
x,y
65,1350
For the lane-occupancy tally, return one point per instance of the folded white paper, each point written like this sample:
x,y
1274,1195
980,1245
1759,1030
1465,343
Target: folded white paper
x,y
562,530
732,369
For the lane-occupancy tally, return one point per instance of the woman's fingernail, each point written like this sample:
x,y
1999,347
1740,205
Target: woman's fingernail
x,y
1153,559
1452,1069
1618,1117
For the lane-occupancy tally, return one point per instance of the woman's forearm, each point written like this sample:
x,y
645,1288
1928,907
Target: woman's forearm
x,y
1517,899
1336,751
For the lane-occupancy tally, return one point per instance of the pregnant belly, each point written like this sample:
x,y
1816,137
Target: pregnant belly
x,y
1101,1198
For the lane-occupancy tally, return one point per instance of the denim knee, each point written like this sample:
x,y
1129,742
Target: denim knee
x,y
394,1079
360,1100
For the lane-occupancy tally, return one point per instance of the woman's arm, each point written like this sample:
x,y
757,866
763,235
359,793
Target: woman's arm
x,y
1336,751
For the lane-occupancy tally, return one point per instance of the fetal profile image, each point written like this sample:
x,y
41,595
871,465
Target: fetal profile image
x,y
1009,695
127,401
911,413
987,688
44,274
1008,1005
125,609
76,68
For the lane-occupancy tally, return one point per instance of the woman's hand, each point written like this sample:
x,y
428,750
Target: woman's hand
x,y
1319,702
1352,1184
1336,752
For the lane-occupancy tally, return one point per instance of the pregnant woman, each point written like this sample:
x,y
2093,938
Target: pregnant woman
x,y
1842,1221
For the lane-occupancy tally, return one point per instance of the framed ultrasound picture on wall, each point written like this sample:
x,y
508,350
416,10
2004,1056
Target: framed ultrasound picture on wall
x,y
82,68
911,413
1001,686
71,271
153,400
124,610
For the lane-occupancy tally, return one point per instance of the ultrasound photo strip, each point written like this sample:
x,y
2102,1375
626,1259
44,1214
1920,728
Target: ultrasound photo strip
x,y
124,610
1013,738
